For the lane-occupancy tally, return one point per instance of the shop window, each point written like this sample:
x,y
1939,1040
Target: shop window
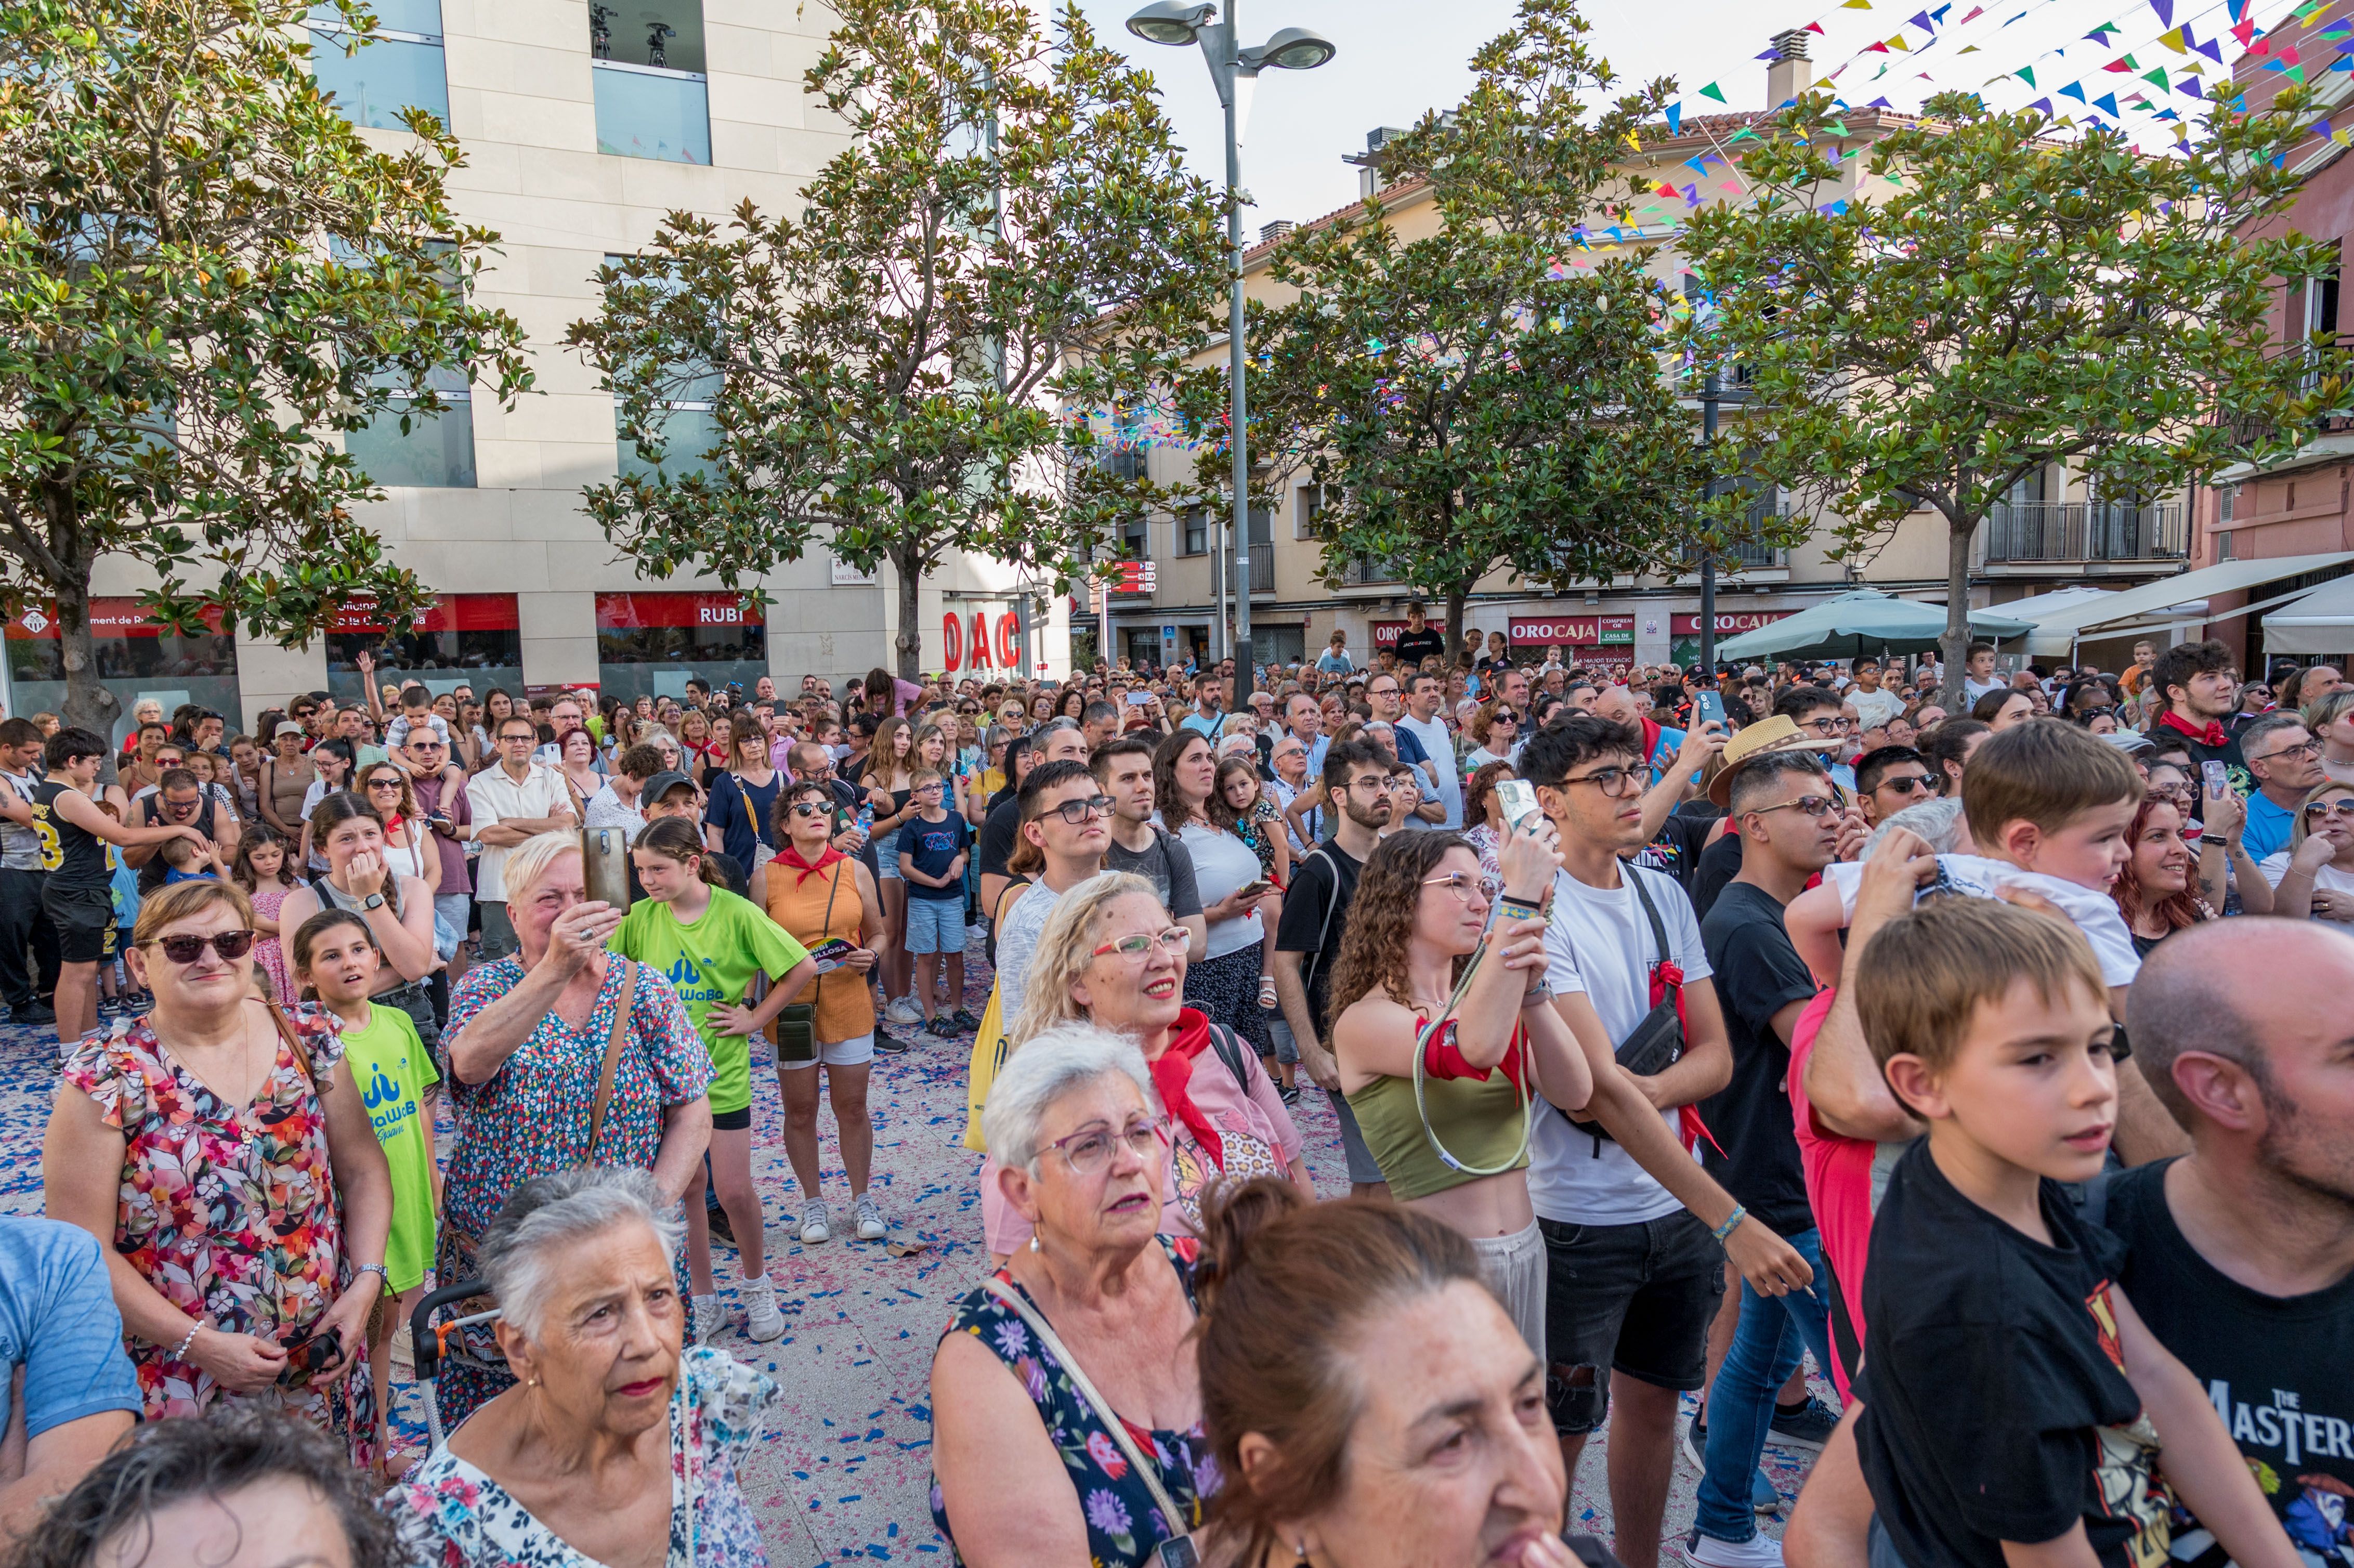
x,y
137,659
652,644
648,65
470,640
398,67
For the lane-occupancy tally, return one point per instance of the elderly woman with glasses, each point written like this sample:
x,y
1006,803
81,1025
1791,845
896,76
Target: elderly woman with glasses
x,y
2314,878
1066,1412
1442,1074
224,1157
618,1443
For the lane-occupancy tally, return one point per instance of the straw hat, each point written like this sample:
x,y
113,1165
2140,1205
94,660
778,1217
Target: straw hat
x,y
1779,733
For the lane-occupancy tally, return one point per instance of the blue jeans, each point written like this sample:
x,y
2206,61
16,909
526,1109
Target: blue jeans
x,y
1773,1332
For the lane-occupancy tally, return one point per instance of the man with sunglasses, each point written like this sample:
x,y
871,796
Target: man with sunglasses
x,y
1066,828
1637,1234
2285,759
1890,778
440,786
1781,804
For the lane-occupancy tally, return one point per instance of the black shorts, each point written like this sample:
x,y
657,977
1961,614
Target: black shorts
x,y
732,1121
1634,1299
84,918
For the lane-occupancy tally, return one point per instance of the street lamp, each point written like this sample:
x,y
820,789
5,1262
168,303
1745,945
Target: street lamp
x,y
1293,48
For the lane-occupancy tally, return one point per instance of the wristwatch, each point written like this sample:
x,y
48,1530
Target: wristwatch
x,y
373,902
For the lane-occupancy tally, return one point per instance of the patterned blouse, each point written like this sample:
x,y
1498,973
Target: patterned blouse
x,y
1260,830
531,1119
452,1515
1124,1524
230,1211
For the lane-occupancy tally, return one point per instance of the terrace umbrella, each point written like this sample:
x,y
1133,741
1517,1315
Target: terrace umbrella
x,y
1860,622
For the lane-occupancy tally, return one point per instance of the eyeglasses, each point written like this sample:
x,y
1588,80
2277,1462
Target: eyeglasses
x,y
1829,725
2310,748
383,783
230,945
1806,805
1506,718
1077,812
1905,784
811,808
1090,1151
1612,781
1455,883
1173,940
2320,808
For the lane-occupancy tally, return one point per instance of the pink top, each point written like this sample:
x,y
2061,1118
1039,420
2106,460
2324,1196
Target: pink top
x,y
1256,1127
1839,1178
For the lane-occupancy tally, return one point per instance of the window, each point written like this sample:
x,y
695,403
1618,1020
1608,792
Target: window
x,y
648,645
1280,644
405,446
688,428
398,67
652,101
2227,500
462,639
2224,547
1193,530
137,658
1307,501
1135,539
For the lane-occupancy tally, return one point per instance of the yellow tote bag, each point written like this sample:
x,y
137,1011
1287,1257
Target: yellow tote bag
x,y
988,1046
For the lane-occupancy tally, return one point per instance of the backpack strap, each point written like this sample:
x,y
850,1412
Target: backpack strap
x,y
1229,1047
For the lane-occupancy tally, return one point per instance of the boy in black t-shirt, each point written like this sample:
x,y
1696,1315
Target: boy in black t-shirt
x,y
2014,1401
933,848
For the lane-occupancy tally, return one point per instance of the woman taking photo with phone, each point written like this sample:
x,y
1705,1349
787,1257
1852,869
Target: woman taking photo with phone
x,y
890,765
714,946
1440,1073
826,901
1225,983
224,1158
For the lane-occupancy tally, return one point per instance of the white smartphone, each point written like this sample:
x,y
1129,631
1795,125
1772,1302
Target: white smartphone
x,y
1516,798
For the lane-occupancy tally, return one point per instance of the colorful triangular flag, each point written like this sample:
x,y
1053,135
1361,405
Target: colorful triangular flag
x,y
1712,90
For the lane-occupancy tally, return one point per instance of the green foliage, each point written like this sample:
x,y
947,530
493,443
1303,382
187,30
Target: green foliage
x,y
1468,397
2018,300
888,358
204,275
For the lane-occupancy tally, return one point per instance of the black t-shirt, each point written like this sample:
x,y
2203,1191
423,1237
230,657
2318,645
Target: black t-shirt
x,y
1166,865
2276,1367
1996,1404
1315,917
1414,647
998,832
1758,973
74,855
1677,851
1717,866
150,814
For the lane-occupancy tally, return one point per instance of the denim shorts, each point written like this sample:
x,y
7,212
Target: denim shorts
x,y
1635,1298
936,925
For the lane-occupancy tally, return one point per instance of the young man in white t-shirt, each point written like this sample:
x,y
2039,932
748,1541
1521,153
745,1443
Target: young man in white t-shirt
x,y
1635,1233
1421,720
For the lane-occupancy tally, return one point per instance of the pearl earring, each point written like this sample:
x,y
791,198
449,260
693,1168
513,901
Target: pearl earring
x,y
1299,1550
1034,1241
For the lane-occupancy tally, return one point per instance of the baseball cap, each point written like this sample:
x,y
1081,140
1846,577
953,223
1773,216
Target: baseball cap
x,y
663,783
286,727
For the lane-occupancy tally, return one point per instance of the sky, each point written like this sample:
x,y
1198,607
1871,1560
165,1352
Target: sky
x,y
1399,58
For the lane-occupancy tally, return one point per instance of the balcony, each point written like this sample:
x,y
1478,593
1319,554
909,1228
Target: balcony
x,y
2037,532
1744,556
648,112
1262,569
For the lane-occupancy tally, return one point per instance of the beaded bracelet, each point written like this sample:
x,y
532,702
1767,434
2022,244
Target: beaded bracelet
x,y
1732,1223
189,1338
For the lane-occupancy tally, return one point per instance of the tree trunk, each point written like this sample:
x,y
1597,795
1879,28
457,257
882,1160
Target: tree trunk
x,y
89,705
1457,595
909,643
1957,650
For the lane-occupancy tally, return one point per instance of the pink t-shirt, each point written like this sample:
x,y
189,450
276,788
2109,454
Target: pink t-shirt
x,y
1254,1125
1839,1179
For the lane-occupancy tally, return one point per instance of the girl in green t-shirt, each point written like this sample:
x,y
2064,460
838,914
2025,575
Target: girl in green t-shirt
x,y
335,959
712,945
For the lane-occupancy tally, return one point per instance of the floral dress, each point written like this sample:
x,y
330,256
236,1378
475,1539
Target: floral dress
x,y
230,1211
1124,1524
1260,831
531,1119
269,951
452,1515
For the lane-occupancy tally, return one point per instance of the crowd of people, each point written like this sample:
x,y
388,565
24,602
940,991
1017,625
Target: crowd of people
x,y
1729,1056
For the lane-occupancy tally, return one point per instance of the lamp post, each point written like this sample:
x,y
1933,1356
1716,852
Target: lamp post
x,y
1294,48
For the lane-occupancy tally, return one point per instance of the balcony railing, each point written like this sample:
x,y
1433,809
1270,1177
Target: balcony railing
x,y
1262,568
646,111
2085,531
1744,556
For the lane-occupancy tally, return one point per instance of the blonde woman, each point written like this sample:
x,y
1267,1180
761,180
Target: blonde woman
x,y
2331,720
1112,955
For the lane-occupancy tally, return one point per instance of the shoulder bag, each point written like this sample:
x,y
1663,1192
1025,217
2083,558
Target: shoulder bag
x,y
613,1048
1654,1044
761,854
796,1023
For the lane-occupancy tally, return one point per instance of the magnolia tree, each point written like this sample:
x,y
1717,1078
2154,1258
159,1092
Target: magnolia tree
x,y
884,364
206,276
2003,301
1469,398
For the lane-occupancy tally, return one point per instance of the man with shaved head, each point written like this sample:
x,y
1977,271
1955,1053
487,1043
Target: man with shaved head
x,y
1617,705
2240,1256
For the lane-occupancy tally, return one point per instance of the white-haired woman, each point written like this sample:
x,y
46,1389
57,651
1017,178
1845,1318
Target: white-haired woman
x,y
616,1445
1027,1468
1111,956
528,1043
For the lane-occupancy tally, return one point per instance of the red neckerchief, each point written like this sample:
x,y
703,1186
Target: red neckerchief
x,y
2211,735
791,855
1650,738
1172,1070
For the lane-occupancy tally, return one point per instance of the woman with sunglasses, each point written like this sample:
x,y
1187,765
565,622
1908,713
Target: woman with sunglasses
x,y
224,1156
407,847
1111,956
1496,735
2314,878
398,908
1440,1074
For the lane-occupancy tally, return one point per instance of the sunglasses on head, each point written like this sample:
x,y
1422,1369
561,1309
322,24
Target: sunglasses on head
x,y
230,945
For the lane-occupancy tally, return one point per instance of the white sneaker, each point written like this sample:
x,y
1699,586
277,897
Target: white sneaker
x,y
814,1228
1760,1551
707,1318
905,1010
870,1218
761,1319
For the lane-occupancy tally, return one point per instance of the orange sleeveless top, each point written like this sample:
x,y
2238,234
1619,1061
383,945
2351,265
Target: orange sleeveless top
x,y
843,1000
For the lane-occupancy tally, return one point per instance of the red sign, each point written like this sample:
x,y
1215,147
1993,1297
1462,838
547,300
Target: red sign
x,y
445,612
1727,624
107,617
629,612
1386,632
958,637
1571,630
